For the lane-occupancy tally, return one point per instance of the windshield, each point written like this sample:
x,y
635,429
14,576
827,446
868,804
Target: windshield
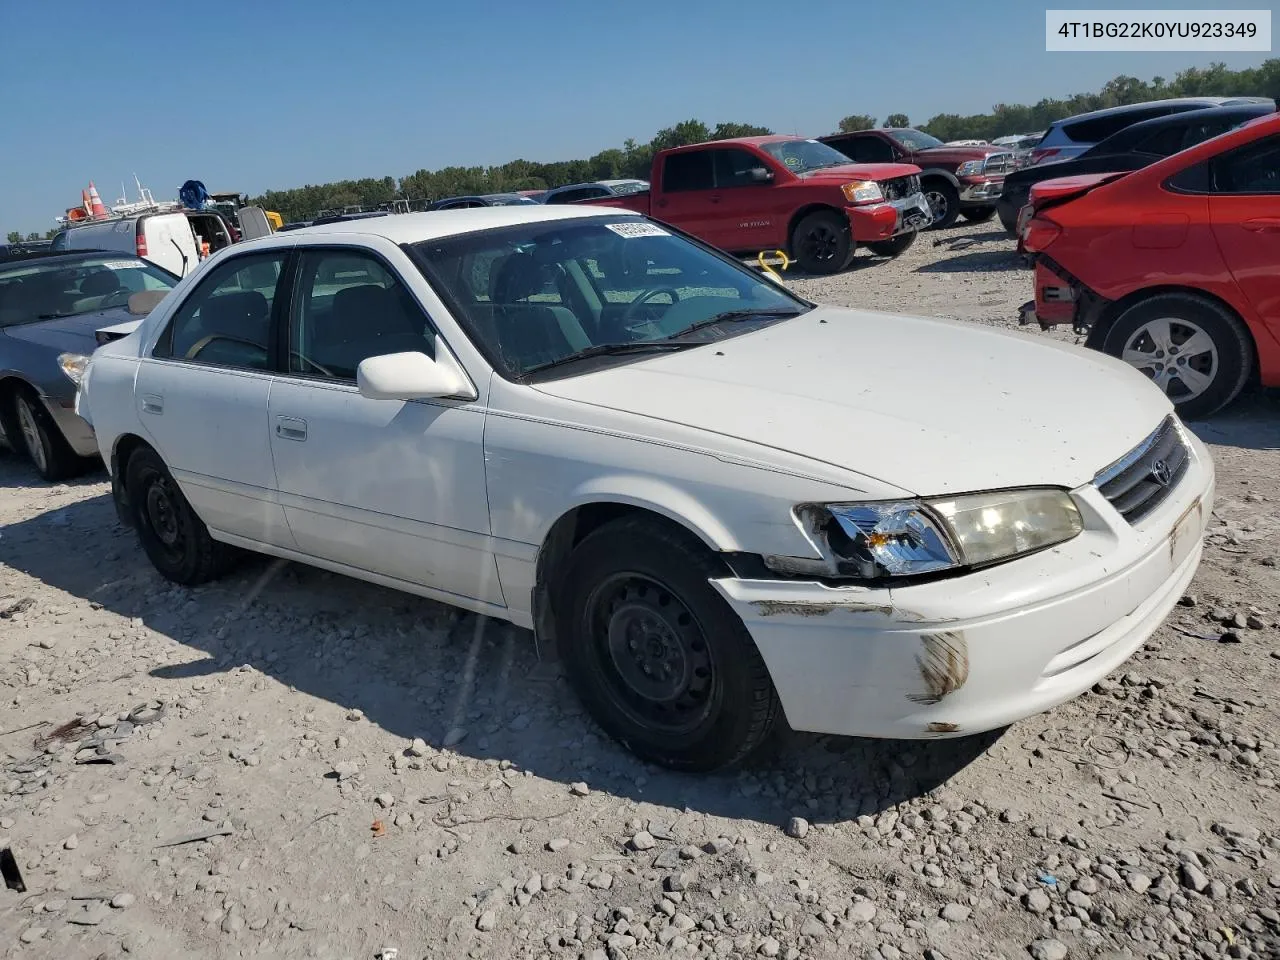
x,y
801,156
608,289
46,289
915,139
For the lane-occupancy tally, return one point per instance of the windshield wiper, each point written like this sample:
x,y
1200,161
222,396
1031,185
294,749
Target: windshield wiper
x,y
730,316
53,316
611,349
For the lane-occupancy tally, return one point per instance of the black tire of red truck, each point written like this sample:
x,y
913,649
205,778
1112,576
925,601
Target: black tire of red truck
x,y
821,243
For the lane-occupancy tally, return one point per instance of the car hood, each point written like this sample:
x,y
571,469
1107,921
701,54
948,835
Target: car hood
x,y
859,171
930,406
72,334
958,154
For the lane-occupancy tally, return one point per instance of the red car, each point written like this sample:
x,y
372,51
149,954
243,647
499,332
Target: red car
x,y
1175,268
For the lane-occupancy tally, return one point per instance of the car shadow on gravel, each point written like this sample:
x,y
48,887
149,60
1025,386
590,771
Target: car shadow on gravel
x,y
1251,423
462,682
985,261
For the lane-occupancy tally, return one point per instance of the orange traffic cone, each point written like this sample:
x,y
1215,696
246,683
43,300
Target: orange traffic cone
x,y
96,207
84,202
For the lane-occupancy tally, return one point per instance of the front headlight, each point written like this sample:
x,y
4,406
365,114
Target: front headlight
x,y
971,168
862,191
73,365
913,537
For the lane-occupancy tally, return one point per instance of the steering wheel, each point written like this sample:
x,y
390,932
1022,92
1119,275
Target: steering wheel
x,y
113,299
645,296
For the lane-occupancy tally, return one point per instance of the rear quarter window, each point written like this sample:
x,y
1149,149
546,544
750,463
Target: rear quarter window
x,y
1092,130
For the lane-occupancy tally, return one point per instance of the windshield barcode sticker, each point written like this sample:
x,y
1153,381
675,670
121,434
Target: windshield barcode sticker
x,y
120,264
637,228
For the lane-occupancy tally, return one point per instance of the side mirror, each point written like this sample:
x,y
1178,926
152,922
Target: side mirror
x,y
412,376
760,175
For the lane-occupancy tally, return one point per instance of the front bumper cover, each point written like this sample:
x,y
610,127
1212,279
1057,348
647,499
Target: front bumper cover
x,y
980,651
882,221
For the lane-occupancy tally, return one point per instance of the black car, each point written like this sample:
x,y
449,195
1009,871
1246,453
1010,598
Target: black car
x,y
483,200
1133,148
344,217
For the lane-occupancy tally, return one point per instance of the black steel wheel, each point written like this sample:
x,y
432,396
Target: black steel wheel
x,y
821,243
894,245
174,538
658,658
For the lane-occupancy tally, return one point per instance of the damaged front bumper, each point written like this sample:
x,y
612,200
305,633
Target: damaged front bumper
x,y
883,221
980,191
977,652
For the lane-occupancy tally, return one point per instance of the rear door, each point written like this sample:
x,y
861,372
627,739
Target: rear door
x,y
202,397
1244,208
688,197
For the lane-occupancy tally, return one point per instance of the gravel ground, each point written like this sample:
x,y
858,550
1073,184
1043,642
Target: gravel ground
x,y
288,763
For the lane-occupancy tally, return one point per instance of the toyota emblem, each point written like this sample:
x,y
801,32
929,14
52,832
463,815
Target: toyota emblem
x,y
1161,473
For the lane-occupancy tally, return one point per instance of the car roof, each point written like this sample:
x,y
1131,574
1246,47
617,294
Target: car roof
x,y
1171,101
434,224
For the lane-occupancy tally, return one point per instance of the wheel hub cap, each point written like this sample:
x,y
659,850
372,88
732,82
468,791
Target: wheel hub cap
x,y
821,243
161,515
646,652
938,204
1176,354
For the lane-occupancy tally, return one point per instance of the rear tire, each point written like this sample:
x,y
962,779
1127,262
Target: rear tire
x,y
978,214
822,244
1196,350
174,538
1008,220
893,246
658,658
31,431
944,201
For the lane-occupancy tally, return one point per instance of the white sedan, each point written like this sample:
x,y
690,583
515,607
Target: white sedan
x,y
716,502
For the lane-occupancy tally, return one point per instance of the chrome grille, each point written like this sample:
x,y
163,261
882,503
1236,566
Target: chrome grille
x,y
899,188
998,163
1144,477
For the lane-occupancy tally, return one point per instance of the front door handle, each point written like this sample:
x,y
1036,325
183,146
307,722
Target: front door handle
x,y
1263,224
291,428
152,403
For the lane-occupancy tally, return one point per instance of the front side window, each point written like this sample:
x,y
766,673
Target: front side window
x,y
558,298
37,290
1252,169
866,149
349,306
915,139
226,320
733,167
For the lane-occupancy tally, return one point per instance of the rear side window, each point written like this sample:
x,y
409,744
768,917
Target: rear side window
x,y
865,149
1162,143
1094,129
1252,169
687,171
226,321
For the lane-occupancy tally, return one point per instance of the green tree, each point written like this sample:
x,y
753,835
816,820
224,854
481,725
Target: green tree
x,y
14,236
897,120
727,131
856,121
33,235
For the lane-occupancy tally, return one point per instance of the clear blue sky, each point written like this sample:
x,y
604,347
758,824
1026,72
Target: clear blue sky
x,y
256,94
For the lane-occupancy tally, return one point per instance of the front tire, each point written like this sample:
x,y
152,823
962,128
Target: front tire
x,y
894,245
978,214
822,244
174,538
944,201
658,658
1196,350
32,431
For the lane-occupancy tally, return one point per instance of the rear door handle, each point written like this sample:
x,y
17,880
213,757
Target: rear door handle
x,y
1263,224
152,403
291,428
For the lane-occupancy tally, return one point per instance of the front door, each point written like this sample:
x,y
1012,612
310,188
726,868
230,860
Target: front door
x,y
392,487
1244,209
202,398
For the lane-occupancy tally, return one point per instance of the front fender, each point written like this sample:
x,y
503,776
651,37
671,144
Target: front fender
x,y
941,172
660,497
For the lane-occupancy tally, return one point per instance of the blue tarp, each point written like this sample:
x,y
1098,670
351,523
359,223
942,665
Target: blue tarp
x,y
193,195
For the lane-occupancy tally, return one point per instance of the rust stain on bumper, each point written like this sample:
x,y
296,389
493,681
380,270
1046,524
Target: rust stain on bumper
x,y
943,727
815,608
944,665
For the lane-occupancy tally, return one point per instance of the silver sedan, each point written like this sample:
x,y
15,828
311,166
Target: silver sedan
x,y
51,308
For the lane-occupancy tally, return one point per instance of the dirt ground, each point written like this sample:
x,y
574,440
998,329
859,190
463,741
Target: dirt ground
x,y
288,763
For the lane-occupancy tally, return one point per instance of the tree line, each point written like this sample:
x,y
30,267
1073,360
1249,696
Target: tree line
x,y
633,159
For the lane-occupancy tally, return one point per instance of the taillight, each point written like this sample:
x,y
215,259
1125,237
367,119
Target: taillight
x,y
141,241
1040,233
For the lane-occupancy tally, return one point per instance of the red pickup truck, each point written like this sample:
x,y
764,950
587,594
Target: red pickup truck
x,y
770,193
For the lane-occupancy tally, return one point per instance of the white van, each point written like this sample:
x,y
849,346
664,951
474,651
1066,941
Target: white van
x,y
167,239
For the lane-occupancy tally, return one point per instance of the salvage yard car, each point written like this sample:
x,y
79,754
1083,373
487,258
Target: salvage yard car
x,y
50,309
1171,268
767,193
589,424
